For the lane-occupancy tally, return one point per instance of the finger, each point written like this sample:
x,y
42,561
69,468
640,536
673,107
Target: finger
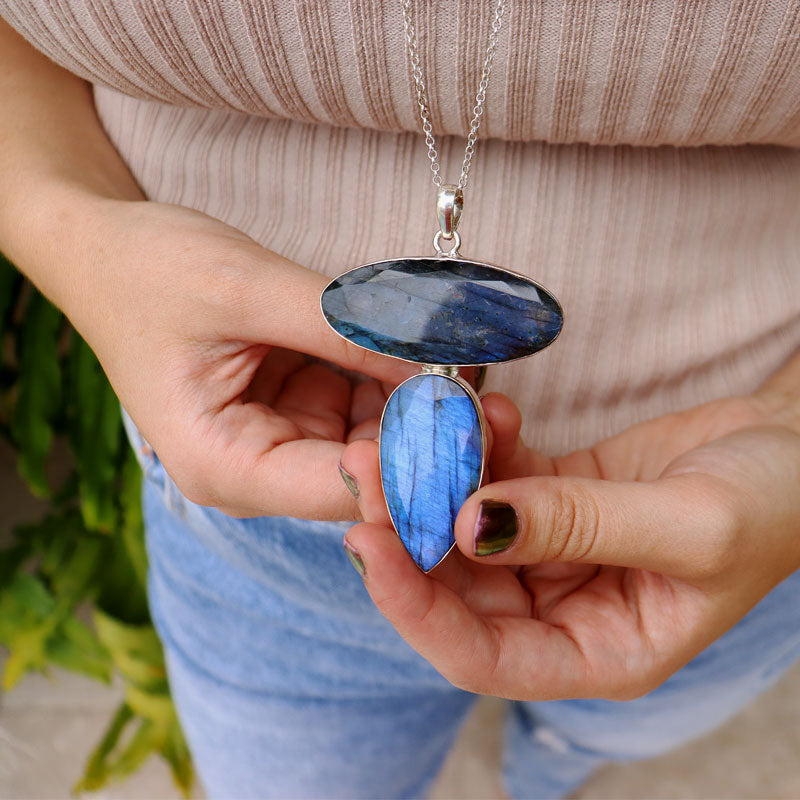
x,y
271,373
429,615
780,394
280,305
506,422
485,589
361,460
677,526
514,657
508,456
248,457
367,402
317,400
369,429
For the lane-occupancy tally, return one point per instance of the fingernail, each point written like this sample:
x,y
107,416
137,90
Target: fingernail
x,y
349,481
355,558
495,527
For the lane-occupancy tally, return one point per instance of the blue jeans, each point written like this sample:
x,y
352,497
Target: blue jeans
x,y
289,683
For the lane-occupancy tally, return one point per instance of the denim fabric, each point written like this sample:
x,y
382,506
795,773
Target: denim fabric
x,y
289,683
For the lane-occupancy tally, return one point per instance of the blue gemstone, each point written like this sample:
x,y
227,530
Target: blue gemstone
x,y
431,460
442,311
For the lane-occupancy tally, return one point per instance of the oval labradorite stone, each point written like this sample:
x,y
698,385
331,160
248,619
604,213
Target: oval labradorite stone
x,y
431,451
442,311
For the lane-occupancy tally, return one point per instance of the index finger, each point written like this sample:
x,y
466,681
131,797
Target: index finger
x,y
281,306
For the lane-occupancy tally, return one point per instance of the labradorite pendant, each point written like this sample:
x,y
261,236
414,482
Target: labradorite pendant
x,y
442,313
431,447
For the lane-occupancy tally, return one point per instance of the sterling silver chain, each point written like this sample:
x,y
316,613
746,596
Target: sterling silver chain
x,y
422,93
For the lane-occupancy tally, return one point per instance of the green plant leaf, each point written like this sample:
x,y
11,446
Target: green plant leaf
x,y
72,581
28,616
95,436
148,739
11,559
135,650
38,391
176,753
54,549
96,772
27,653
36,620
76,648
70,555
155,706
61,528
119,635
24,602
102,767
10,281
132,519
89,547
148,675
122,595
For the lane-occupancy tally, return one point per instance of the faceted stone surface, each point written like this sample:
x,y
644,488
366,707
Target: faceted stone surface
x,y
442,311
431,459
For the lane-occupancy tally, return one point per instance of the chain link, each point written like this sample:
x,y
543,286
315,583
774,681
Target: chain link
x,y
422,93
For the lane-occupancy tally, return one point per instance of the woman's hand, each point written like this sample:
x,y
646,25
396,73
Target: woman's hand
x,y
200,330
602,572
202,333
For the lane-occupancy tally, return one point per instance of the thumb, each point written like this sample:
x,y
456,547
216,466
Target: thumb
x,y
676,526
282,308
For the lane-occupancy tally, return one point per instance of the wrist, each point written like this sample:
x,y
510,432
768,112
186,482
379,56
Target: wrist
x,y
47,233
56,164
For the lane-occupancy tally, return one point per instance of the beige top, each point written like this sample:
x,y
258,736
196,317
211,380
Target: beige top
x,y
678,266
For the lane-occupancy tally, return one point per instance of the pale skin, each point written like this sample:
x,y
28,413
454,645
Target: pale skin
x,y
629,558
203,333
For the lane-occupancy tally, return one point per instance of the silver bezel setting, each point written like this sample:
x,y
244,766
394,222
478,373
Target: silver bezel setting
x,y
476,402
444,260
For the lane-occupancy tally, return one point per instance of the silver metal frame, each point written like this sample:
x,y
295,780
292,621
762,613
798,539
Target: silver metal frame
x,y
470,392
444,260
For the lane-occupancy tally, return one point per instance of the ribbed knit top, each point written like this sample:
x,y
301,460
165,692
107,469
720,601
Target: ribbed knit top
x,y
636,160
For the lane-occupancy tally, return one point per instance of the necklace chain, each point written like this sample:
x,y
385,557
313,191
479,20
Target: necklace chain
x,y
422,93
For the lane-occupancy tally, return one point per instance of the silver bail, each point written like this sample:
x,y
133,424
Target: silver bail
x,y
449,205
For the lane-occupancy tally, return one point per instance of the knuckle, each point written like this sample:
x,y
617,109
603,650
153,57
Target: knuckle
x,y
574,525
628,691
632,687
721,538
194,484
403,608
223,276
356,358
635,679
738,412
466,682
470,675
196,493
228,279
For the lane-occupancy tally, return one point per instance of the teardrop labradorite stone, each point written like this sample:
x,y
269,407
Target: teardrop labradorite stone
x,y
431,450
442,311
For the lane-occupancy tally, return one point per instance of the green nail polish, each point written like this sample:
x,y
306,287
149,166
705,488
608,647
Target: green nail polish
x,y
495,527
349,481
355,558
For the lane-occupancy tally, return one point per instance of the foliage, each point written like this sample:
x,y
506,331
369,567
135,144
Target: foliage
x,y
85,560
